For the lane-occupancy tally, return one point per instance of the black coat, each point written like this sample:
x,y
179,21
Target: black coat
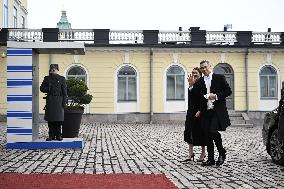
x,y
221,88
55,87
193,133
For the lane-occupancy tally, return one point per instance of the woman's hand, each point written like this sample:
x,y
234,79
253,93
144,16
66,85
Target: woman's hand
x,y
191,80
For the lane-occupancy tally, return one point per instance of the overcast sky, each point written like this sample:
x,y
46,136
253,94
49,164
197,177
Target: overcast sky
x,y
211,15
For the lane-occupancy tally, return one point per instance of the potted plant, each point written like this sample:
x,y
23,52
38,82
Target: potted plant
x,y
77,99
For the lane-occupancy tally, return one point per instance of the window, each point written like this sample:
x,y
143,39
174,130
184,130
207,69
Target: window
x,y
23,22
5,14
127,84
175,83
15,16
77,72
268,82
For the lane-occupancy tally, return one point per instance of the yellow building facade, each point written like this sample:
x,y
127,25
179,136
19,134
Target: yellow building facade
x,y
101,66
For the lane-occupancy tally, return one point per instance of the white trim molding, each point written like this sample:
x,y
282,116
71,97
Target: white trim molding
x,y
126,107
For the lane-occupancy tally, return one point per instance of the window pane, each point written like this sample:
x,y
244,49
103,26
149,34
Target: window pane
x,y
272,86
175,70
121,88
132,88
170,87
268,70
76,71
180,87
263,86
126,70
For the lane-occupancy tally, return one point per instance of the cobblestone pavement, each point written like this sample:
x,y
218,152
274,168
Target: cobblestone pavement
x,y
152,149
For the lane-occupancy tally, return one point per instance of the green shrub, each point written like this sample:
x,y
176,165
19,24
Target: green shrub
x,y
77,94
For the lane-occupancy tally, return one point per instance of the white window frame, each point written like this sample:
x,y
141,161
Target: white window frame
x,y
268,104
15,17
171,106
175,99
126,106
268,76
5,13
23,25
132,76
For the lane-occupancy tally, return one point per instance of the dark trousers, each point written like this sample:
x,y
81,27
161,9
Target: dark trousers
x,y
54,129
213,135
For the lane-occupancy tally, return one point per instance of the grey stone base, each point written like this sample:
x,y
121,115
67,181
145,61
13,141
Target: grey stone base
x,y
131,118
256,117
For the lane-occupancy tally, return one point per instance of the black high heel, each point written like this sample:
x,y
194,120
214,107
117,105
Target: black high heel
x,y
188,159
201,160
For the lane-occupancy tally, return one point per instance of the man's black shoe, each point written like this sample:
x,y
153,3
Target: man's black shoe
x,y
208,163
221,160
59,138
49,139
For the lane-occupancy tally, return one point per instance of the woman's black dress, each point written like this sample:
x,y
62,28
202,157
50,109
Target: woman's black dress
x,y
193,133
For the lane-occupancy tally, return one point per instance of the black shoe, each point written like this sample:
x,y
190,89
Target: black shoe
x,y
208,163
221,160
59,138
188,159
49,139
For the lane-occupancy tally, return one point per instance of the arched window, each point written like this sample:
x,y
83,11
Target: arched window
x,y
77,72
127,78
268,82
175,83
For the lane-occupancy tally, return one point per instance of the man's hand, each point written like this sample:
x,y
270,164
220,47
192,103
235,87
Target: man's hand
x,y
197,114
212,96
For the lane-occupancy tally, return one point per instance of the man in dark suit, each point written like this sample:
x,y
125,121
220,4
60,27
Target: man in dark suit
x,y
54,86
213,89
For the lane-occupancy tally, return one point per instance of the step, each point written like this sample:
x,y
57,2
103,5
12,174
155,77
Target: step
x,y
248,125
238,121
236,118
235,114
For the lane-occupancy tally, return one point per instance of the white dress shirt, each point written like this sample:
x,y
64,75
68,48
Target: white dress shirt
x,y
207,80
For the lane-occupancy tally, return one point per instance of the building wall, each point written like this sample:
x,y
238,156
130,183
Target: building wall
x,y
3,77
102,64
21,6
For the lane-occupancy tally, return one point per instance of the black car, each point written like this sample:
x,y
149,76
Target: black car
x,y
272,134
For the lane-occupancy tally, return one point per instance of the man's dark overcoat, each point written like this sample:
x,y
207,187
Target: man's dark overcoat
x,y
55,87
221,88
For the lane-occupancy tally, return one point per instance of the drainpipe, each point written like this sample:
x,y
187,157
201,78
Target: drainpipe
x,y
49,59
246,78
151,85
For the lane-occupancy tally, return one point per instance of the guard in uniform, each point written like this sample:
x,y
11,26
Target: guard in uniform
x,y
55,88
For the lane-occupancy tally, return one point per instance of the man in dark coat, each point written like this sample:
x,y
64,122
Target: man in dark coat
x,y
213,90
55,87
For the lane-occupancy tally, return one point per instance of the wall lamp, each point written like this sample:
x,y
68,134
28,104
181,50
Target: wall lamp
x,y
3,55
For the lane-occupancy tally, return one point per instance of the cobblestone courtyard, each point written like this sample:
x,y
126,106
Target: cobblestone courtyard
x,y
152,149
